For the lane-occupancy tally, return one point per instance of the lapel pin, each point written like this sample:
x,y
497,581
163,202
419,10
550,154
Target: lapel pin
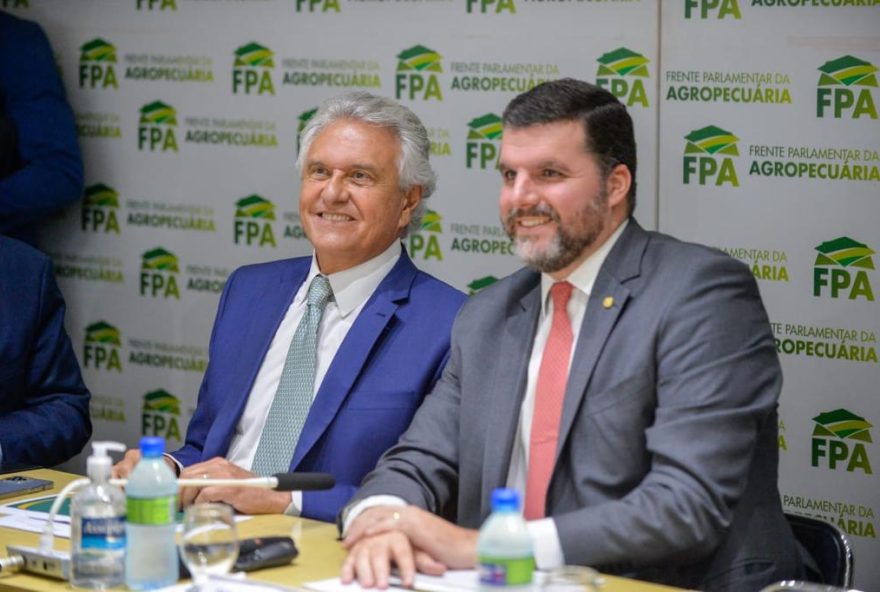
x,y
608,302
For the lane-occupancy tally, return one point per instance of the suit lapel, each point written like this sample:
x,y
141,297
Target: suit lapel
x,y
622,264
509,384
257,332
349,361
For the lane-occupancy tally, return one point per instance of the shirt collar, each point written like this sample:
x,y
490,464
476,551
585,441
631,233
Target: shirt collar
x,y
353,286
584,275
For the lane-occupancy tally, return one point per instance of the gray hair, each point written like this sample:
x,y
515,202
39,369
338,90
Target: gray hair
x,y
413,165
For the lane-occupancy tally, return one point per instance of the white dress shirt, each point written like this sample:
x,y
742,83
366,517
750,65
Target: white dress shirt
x,y
351,290
545,538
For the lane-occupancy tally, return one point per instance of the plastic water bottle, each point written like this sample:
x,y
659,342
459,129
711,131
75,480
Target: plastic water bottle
x,y
97,526
151,496
504,546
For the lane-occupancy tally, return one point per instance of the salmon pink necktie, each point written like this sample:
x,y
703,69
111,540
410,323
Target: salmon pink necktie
x,y
549,395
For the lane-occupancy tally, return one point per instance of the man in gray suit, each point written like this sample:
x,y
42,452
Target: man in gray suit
x,y
625,381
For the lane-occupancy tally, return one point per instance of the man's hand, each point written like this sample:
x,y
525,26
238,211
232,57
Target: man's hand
x,y
245,500
123,468
369,561
411,538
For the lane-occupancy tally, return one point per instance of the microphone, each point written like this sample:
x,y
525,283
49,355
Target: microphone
x,y
277,482
303,481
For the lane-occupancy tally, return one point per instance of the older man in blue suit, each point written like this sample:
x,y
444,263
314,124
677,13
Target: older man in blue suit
x,y
44,405
382,338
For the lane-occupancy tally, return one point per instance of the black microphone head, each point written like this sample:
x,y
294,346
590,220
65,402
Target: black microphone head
x,y
304,481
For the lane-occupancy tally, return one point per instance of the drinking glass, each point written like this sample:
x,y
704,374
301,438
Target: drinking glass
x,y
209,543
571,578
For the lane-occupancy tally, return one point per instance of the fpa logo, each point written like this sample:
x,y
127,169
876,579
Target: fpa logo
x,y
841,269
621,72
480,283
160,414
707,155
705,9
253,221
424,243
252,70
159,271
491,6
482,141
96,65
101,347
99,207
156,4
417,69
156,127
317,6
845,88
839,437
304,118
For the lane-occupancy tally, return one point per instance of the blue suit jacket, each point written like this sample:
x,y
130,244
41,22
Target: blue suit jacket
x,y
44,405
391,357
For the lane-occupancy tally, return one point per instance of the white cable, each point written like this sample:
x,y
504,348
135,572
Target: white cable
x,y
47,539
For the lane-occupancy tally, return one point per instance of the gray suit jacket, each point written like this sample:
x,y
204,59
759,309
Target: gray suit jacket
x,y
666,466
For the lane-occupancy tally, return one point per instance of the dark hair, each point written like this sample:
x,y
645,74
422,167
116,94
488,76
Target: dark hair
x,y
607,125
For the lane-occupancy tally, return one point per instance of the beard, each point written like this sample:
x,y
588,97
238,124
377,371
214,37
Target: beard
x,y
570,240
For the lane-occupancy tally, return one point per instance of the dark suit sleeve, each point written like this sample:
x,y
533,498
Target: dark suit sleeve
x,y
50,174
422,468
716,389
52,422
203,417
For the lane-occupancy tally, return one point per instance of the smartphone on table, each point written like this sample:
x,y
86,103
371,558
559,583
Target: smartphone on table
x,y
21,484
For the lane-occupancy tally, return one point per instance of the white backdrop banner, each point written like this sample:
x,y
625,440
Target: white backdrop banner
x,y
757,127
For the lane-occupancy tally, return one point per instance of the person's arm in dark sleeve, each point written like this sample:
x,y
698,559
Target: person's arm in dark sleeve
x,y
53,424
51,173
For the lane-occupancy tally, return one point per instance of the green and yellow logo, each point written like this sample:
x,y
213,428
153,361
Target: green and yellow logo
x,y
159,417
424,243
317,6
845,87
99,207
159,269
303,120
102,407
841,268
96,65
253,221
252,70
480,283
156,127
707,155
417,69
14,4
718,9
496,6
484,133
621,72
840,436
101,347
156,4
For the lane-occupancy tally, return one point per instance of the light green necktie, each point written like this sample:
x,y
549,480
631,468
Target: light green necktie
x,y
292,401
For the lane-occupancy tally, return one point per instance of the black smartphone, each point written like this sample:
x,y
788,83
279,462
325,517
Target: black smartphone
x,y
257,553
20,485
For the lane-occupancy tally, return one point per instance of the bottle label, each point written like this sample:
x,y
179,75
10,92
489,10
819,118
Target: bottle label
x,y
498,571
103,533
154,511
